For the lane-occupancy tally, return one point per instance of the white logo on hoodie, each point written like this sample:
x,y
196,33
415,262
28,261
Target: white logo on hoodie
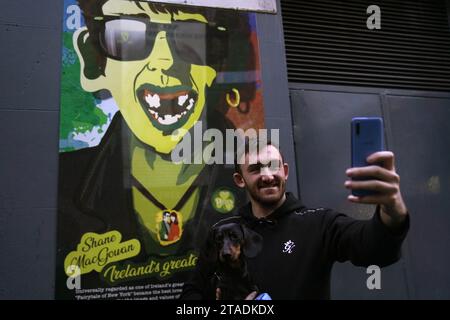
x,y
288,246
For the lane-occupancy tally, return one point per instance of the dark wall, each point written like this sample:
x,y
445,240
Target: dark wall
x,y
30,51
275,86
30,33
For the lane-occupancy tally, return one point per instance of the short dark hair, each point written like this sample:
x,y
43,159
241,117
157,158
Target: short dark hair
x,y
93,8
254,144
239,55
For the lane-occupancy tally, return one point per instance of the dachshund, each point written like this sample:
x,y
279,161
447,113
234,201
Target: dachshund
x,y
230,244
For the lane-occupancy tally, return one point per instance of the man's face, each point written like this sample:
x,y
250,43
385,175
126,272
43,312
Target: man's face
x,y
264,176
154,69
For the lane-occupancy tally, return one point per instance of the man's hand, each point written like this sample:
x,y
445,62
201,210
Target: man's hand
x,y
251,296
387,186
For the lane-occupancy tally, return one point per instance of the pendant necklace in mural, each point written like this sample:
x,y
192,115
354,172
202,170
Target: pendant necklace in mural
x,y
169,222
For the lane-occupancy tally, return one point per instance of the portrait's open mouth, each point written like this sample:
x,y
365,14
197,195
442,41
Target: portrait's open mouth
x,y
167,108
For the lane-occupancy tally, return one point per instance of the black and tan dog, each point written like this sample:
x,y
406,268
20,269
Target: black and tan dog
x,y
231,243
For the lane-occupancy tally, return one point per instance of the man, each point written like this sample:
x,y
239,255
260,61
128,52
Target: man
x,y
301,244
160,64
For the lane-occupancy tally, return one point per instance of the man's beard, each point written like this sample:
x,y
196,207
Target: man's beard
x,y
264,200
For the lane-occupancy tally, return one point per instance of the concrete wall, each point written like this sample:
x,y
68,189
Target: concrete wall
x,y
30,37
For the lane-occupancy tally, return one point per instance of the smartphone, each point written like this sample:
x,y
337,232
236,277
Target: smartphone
x,y
367,137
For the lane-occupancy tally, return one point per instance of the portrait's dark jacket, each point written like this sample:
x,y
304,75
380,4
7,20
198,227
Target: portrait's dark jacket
x,y
95,196
300,246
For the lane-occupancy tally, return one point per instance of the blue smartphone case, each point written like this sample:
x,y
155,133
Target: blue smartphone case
x,y
367,137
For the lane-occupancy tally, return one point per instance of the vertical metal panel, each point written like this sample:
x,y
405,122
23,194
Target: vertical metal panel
x,y
420,137
322,143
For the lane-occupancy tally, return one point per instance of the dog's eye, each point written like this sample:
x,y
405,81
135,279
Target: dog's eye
x,y
233,237
219,238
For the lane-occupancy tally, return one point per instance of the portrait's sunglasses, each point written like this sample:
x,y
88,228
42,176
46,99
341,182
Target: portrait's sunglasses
x,y
127,38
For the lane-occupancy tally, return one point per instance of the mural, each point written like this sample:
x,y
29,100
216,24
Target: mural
x,y
138,79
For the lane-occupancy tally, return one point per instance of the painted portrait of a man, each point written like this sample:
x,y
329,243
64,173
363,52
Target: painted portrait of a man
x,y
166,70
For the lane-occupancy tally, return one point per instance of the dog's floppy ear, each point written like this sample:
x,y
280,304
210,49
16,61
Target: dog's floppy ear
x,y
253,242
210,248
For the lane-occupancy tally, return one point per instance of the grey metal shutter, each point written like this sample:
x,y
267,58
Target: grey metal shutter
x,y
327,41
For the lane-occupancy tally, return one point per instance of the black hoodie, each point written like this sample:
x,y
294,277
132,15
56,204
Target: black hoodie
x,y
300,246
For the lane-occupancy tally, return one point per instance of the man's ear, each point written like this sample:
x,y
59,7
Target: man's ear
x,y
286,170
238,180
91,73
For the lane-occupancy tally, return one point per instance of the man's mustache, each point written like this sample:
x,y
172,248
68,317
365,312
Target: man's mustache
x,y
276,182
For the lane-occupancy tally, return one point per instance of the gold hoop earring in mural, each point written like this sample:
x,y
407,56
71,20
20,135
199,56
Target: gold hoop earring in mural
x,y
233,103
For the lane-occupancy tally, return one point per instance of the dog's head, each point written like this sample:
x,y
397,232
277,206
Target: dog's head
x,y
231,242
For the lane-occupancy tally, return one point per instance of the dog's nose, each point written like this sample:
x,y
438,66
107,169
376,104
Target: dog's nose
x,y
226,253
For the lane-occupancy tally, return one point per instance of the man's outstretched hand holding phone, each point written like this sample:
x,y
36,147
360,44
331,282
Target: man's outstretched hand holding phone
x,y
386,184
